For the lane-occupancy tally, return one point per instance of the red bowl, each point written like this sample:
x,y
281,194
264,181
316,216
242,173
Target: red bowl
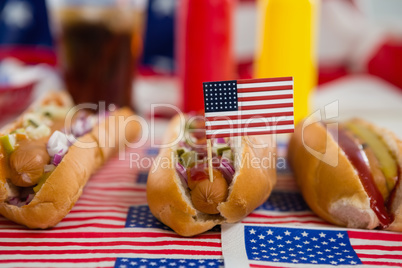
x,y
14,100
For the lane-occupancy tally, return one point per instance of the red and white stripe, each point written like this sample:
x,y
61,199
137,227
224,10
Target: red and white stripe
x,y
93,234
91,248
265,106
305,218
377,248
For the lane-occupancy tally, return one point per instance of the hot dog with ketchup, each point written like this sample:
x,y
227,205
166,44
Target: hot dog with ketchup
x,y
180,192
362,190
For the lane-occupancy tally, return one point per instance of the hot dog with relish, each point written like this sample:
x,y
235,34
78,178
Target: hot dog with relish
x,y
45,161
179,190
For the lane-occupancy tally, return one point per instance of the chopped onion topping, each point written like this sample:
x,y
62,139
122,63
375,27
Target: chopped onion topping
x,y
183,144
29,198
49,168
227,170
83,125
57,144
14,200
57,159
220,140
181,170
20,201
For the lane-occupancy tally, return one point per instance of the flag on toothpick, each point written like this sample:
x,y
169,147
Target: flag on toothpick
x,y
249,107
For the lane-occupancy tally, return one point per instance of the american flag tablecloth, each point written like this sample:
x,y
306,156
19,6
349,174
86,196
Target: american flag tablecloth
x,y
111,226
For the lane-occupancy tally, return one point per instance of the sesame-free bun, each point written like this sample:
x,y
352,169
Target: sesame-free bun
x,y
170,201
64,186
335,192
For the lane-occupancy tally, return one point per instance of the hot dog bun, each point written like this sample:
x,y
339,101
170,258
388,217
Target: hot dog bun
x,y
64,186
170,202
118,131
336,193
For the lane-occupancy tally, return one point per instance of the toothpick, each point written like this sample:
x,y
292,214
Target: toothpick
x,y
209,150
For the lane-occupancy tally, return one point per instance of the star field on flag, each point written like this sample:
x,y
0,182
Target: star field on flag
x,y
298,245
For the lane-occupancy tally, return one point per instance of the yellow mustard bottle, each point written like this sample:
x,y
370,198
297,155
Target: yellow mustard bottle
x,y
286,46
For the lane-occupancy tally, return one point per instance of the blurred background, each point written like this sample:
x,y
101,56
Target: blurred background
x,y
146,52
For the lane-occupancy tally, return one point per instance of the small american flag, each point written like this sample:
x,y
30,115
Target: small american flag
x,y
249,107
290,246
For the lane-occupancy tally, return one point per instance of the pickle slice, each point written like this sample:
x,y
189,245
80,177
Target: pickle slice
x,y
220,151
180,152
33,123
387,162
41,181
227,154
188,158
8,142
19,131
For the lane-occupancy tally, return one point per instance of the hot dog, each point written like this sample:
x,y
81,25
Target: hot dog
x,y
180,192
46,160
363,189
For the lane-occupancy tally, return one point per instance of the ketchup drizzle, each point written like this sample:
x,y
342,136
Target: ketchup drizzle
x,y
356,157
